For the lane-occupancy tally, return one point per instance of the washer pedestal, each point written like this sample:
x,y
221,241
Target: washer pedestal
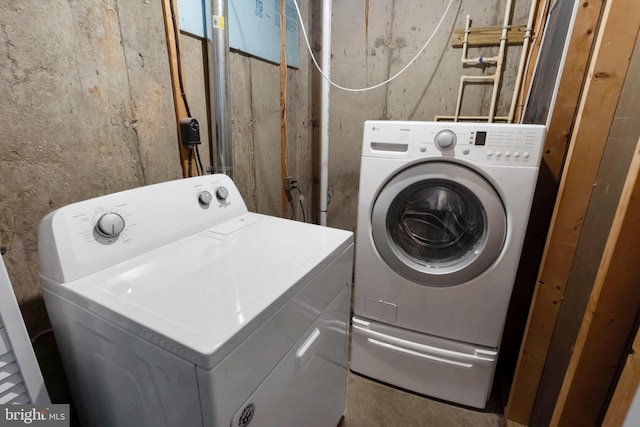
x,y
429,365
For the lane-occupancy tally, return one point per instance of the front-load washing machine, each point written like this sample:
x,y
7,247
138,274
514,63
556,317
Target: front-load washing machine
x,y
442,214
174,306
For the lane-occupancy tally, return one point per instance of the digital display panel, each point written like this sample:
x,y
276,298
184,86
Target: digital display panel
x,y
481,138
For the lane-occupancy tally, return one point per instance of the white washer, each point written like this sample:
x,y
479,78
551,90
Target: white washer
x,y
174,306
442,214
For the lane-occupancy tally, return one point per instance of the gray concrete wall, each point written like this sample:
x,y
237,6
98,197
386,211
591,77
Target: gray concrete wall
x,y
193,52
364,55
87,108
85,97
255,105
255,95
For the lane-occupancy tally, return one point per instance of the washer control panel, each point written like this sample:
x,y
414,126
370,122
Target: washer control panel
x,y
481,143
91,235
508,144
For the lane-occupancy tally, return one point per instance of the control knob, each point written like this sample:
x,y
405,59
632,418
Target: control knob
x,y
110,225
205,198
445,139
222,193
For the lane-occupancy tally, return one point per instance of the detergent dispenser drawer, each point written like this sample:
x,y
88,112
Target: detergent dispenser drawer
x,y
307,388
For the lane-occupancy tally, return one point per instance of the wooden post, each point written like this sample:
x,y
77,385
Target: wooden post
x,y
609,317
173,45
284,155
626,388
616,39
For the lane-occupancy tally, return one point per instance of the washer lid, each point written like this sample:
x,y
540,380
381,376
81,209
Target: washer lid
x,y
439,224
196,295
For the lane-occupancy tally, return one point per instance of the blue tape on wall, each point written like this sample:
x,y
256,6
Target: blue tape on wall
x,y
254,26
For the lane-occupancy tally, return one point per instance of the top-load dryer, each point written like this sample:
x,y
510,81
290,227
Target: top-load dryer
x,y
442,214
173,305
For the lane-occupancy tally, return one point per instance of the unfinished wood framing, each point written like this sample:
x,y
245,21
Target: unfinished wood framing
x,y
175,63
612,172
571,81
626,388
599,100
609,317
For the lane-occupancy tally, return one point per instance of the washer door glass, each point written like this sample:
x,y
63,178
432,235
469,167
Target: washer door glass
x,y
439,224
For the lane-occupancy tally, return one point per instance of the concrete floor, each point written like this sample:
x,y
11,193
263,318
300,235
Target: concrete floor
x,y
371,404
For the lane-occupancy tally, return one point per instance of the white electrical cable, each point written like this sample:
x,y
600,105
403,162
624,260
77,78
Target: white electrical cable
x,y
364,89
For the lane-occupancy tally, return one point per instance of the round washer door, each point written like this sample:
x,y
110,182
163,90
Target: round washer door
x,y
439,224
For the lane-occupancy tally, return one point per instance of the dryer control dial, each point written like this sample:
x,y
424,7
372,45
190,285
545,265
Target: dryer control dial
x,y
110,225
205,198
222,193
445,139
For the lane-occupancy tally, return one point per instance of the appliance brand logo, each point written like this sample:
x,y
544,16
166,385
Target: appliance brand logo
x,y
37,415
247,415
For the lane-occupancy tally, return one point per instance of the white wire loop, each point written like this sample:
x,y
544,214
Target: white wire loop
x,y
390,79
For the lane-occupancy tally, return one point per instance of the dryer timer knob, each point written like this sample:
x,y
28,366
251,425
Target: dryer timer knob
x,y
110,225
205,198
222,193
445,139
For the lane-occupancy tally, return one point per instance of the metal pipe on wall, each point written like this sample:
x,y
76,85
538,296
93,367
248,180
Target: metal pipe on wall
x,y
218,49
324,110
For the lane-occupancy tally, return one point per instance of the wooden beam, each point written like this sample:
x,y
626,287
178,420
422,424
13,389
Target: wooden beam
x,y
599,100
534,51
625,389
610,314
488,36
284,150
571,83
170,14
